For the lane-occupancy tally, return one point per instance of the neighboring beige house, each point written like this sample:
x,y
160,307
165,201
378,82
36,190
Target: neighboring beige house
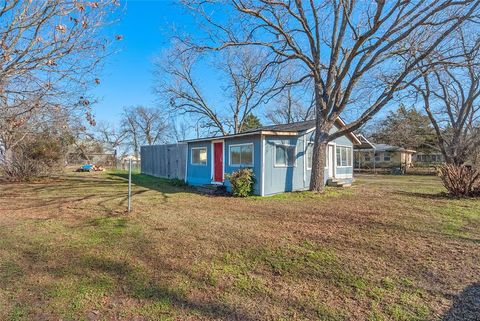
x,y
369,155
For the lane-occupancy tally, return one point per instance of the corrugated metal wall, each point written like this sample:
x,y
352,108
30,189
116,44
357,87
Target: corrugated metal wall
x,y
164,160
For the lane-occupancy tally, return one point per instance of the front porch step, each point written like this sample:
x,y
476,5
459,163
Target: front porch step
x,y
335,182
212,189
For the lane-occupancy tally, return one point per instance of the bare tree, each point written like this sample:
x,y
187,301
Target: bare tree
x,y
145,126
290,106
450,92
342,45
111,137
49,51
248,85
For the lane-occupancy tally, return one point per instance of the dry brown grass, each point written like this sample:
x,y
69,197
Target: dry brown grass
x,y
389,248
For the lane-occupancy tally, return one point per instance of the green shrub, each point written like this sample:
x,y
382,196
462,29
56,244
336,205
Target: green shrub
x,y
242,182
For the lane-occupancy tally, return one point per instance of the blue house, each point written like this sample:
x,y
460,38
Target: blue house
x,y
280,156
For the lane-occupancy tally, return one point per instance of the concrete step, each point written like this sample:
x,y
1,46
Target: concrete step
x,y
335,182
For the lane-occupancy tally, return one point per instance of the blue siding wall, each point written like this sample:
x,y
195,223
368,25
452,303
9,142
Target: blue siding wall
x,y
283,179
286,179
257,159
276,179
199,174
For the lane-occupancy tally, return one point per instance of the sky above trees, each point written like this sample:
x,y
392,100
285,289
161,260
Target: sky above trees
x,y
127,78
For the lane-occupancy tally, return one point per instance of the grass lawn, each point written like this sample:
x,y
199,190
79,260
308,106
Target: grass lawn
x,y
389,248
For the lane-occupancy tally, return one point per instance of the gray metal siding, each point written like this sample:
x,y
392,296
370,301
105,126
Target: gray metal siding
x,y
164,160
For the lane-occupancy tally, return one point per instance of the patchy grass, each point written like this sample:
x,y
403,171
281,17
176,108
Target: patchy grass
x,y
389,248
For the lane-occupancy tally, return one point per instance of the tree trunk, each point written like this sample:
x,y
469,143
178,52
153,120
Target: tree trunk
x,y
317,179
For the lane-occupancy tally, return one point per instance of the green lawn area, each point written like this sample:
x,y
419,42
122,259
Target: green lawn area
x,y
388,248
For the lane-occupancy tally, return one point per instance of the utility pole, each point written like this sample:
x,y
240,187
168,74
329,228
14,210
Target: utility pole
x,y
130,185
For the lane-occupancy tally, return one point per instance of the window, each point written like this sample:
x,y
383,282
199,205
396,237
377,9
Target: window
x,y
344,156
241,155
310,156
285,155
367,158
199,156
386,158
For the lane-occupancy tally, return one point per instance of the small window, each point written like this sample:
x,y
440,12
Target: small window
x,y
241,155
285,155
344,156
386,158
199,156
367,158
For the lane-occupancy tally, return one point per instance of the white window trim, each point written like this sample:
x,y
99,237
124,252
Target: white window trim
x,y
191,156
306,155
275,156
351,156
240,165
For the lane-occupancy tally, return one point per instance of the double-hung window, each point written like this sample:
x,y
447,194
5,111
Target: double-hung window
x,y
285,155
344,156
199,156
241,155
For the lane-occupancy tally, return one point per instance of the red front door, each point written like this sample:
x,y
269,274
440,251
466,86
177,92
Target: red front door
x,y
218,162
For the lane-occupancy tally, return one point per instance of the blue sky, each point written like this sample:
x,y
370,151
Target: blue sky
x,y
127,77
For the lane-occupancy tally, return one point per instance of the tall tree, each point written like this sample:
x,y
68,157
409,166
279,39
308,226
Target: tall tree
x,y
145,126
251,122
111,137
350,50
248,85
451,95
49,52
405,127
290,106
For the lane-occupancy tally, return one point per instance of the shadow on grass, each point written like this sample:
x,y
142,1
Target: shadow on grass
x,y
466,306
163,185
137,285
431,196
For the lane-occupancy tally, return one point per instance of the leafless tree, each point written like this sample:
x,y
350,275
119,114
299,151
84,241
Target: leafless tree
x,y
248,85
342,45
111,137
290,106
145,126
450,92
49,51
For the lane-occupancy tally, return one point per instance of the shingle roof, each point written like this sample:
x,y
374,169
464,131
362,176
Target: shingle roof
x,y
297,127
292,127
368,145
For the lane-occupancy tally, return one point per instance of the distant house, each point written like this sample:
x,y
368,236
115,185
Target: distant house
x,y
280,156
369,155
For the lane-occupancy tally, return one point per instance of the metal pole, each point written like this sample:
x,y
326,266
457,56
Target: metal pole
x,y
130,185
